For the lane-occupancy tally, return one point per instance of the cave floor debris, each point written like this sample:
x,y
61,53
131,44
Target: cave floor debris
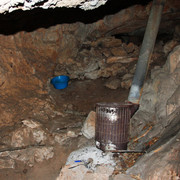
x,y
74,103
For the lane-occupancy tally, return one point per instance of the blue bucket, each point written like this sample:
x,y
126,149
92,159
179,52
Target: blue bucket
x,y
60,82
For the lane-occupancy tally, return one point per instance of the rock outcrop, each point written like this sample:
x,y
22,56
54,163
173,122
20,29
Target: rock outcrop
x,y
12,5
156,125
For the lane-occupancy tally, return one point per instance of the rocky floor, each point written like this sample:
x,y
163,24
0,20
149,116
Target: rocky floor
x,y
60,131
47,127
82,96
40,130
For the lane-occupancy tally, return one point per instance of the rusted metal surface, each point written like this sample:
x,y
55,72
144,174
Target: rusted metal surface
x,y
112,125
146,50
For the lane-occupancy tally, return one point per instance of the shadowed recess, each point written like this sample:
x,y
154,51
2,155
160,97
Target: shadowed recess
x,y
37,18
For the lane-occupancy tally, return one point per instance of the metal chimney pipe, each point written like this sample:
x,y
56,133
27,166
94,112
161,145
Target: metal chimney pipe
x,y
146,51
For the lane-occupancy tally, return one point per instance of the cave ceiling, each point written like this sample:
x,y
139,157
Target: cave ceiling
x,y
11,5
7,6
29,15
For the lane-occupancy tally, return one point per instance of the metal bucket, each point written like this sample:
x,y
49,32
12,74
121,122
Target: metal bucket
x,y
112,125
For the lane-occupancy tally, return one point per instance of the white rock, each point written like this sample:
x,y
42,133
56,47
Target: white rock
x,y
168,47
113,83
29,155
31,124
101,173
80,171
11,5
60,138
98,157
28,134
123,177
126,81
76,173
7,163
43,153
39,136
88,128
71,134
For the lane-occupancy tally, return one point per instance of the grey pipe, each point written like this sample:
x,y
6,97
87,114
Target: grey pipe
x,y
146,51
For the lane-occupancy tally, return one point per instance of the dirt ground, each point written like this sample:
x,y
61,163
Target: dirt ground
x,y
76,101
84,94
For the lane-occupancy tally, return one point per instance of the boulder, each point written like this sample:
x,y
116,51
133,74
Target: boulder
x,y
113,83
88,163
126,81
88,128
123,177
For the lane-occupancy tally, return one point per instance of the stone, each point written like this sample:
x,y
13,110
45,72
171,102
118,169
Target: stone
x,y
176,75
7,163
166,87
78,171
60,138
96,155
173,102
91,164
120,59
126,84
89,5
126,81
140,135
72,134
149,96
6,6
84,66
107,42
31,124
113,83
66,48
130,47
127,76
112,70
31,133
132,70
92,75
43,153
160,163
159,102
29,155
123,177
88,128
173,60
106,52
70,173
118,51
169,46
104,170
60,69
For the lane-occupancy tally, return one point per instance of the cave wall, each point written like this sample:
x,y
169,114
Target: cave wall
x,y
30,58
155,126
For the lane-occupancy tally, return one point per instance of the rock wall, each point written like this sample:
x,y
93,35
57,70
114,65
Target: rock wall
x,y
155,127
160,98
